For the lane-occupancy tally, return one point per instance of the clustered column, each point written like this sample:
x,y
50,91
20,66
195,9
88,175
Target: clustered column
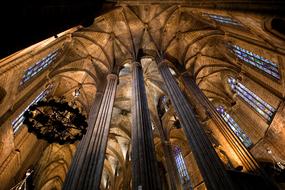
x,y
87,165
245,156
144,167
168,155
211,168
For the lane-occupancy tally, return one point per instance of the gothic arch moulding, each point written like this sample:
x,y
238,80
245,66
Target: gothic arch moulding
x,y
2,94
275,26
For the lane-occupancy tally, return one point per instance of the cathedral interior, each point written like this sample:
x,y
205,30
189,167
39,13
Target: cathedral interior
x,y
176,95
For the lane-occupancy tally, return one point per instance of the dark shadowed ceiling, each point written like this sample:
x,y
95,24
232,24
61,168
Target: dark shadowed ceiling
x,y
26,22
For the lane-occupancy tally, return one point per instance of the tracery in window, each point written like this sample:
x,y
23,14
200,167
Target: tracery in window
x,y
257,61
180,164
234,126
38,67
16,124
263,108
223,19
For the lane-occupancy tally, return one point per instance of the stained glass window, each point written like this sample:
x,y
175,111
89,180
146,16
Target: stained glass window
x,y
234,126
165,103
257,61
180,164
223,19
38,67
16,124
263,108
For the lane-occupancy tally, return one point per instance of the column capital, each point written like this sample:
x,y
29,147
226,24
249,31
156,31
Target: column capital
x,y
136,63
167,142
162,62
112,76
185,74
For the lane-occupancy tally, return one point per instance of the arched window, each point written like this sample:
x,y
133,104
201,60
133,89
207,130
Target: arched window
x,y
163,105
38,67
278,25
180,164
259,105
257,61
16,124
275,26
223,19
125,70
234,126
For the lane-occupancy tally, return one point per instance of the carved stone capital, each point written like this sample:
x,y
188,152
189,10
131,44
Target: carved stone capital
x,y
112,76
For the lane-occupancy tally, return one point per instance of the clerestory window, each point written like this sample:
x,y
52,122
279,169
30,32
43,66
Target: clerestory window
x,y
223,19
38,67
259,105
257,61
16,123
180,164
234,127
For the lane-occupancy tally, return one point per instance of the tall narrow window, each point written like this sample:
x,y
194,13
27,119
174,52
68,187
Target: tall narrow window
x,y
38,67
180,164
223,19
234,126
263,108
16,124
257,61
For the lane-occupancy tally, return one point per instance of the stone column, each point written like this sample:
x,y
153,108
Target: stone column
x,y
144,167
203,102
171,167
212,170
87,165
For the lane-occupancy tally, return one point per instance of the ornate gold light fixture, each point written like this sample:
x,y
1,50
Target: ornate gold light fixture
x,y
56,120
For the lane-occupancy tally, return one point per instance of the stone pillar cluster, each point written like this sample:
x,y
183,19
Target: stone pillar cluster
x,y
169,159
212,170
203,102
144,167
86,170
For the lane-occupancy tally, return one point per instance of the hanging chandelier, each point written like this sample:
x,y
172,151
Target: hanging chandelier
x,y
56,121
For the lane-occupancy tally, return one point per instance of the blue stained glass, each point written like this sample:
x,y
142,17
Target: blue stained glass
x,y
223,19
234,126
252,99
180,164
39,66
16,124
258,61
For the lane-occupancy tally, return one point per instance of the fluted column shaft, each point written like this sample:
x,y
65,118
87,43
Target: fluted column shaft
x,y
144,167
211,168
87,165
168,155
244,155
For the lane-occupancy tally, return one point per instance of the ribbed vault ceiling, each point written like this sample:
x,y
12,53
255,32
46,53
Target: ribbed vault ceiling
x,y
114,40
